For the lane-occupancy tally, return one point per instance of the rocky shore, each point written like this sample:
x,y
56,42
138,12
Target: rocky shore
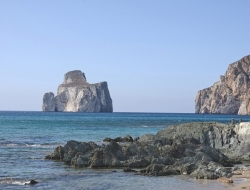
x,y
201,150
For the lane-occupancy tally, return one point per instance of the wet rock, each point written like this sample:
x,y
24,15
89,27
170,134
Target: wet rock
x,y
57,155
97,159
107,139
31,182
128,138
153,169
118,139
129,170
170,170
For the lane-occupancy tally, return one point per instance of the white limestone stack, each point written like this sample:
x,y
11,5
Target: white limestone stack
x,y
75,94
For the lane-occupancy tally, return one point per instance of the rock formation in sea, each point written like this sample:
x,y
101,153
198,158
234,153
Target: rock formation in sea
x,y
75,94
203,150
230,95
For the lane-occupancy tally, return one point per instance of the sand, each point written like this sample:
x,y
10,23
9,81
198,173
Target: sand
x,y
242,179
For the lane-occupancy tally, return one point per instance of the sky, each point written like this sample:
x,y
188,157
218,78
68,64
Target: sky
x,y
155,55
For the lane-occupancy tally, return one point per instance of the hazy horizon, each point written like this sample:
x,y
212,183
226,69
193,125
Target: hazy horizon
x,y
155,55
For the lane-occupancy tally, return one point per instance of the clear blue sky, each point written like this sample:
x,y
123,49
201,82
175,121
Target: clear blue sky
x,y
155,55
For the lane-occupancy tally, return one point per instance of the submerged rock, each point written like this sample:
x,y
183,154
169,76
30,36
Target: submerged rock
x,y
31,182
75,94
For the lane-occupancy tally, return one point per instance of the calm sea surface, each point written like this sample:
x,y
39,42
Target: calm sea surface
x,y
26,137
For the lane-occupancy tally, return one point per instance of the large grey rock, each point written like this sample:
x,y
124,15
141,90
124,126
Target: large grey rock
x,y
231,94
203,150
75,94
231,140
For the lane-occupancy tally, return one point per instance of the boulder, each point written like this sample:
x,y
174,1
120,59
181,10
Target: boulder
x,y
31,182
107,139
57,155
138,163
163,160
136,138
118,139
153,169
128,138
129,170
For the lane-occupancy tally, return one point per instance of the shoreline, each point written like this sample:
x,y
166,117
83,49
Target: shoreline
x,y
242,184
51,128
204,150
243,176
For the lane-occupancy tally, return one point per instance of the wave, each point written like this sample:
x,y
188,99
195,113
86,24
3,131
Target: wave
x,y
23,144
13,181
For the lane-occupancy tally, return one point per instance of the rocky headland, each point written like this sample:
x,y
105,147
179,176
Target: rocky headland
x,y
75,94
230,95
202,150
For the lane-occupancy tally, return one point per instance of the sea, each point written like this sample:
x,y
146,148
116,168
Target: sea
x,y
27,137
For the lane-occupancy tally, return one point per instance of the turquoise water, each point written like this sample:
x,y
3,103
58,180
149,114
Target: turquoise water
x,y
26,137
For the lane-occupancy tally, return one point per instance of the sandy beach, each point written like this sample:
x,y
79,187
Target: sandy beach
x,y
241,179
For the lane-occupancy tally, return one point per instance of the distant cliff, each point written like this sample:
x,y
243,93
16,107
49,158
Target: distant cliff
x,y
75,94
230,95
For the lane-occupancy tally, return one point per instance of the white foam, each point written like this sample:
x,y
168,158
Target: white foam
x,y
12,144
12,181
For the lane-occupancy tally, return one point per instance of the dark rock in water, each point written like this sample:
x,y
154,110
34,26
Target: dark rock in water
x,y
97,159
159,170
107,139
153,169
188,168
128,138
57,155
203,150
118,139
32,182
129,170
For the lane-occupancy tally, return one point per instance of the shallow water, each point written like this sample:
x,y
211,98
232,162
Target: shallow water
x,y
26,137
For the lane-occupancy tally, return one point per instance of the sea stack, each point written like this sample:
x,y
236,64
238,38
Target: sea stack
x,y
230,95
75,94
